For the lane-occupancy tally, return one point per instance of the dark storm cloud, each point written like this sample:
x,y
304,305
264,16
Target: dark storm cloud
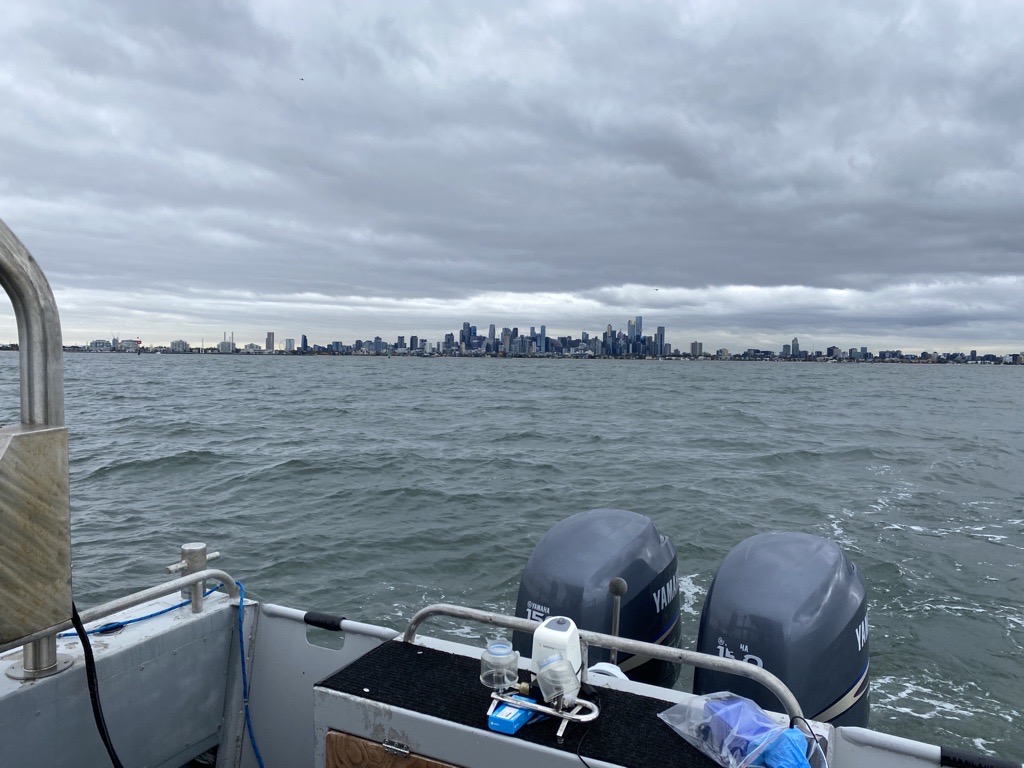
x,y
409,162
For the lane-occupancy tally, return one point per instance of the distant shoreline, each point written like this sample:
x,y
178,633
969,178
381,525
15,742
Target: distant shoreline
x,y
740,358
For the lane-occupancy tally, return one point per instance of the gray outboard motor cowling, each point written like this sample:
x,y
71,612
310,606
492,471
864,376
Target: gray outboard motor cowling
x,y
794,604
569,572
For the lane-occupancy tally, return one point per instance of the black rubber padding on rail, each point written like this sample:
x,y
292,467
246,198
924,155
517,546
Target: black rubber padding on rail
x,y
627,732
327,621
962,758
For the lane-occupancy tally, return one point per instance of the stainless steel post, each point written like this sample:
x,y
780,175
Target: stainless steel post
x,y
194,559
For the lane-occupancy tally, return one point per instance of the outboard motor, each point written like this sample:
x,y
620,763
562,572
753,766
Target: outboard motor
x,y
795,605
569,574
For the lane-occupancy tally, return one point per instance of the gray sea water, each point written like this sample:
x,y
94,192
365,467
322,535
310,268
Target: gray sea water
x,y
372,487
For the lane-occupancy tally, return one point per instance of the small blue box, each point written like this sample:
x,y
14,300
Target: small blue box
x,y
509,719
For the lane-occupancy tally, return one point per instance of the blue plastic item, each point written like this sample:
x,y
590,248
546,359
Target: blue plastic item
x,y
787,750
509,719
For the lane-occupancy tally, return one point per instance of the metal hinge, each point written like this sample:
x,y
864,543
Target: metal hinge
x,y
395,748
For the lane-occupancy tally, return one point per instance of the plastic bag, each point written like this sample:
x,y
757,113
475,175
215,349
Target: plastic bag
x,y
736,733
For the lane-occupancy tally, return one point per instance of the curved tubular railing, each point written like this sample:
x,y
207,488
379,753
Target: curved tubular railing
x,y
39,336
636,647
138,598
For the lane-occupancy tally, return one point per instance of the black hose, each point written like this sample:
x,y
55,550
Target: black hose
x,y
94,687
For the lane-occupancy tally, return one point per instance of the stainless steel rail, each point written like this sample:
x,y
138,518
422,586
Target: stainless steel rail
x,y
138,598
347,625
636,647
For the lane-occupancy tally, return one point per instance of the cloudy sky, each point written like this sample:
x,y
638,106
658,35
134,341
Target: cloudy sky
x,y
739,172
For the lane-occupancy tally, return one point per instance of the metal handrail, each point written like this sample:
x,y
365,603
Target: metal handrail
x,y
138,598
39,335
626,645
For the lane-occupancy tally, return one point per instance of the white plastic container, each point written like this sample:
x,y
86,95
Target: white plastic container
x,y
556,634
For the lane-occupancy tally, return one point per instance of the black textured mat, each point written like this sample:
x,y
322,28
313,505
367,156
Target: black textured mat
x,y
628,730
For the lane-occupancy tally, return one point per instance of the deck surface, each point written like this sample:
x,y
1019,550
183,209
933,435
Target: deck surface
x,y
628,731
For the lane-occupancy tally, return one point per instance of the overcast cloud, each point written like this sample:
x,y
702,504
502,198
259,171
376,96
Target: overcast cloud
x,y
739,172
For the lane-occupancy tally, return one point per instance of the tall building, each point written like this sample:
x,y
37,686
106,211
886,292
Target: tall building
x,y
414,343
490,339
796,347
639,327
305,343
696,348
659,341
227,347
542,341
289,345
270,341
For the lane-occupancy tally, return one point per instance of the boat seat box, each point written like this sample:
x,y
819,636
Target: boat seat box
x,y
431,702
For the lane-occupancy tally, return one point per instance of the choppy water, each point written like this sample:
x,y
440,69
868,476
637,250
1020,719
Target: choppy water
x,y
372,487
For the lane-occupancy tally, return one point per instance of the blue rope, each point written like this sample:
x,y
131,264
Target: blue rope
x,y
115,625
245,677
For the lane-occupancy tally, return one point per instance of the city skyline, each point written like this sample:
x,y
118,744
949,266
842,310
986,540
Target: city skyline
x,y
530,341
392,325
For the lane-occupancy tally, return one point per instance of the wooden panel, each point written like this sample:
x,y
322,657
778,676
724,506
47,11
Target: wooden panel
x,y
347,751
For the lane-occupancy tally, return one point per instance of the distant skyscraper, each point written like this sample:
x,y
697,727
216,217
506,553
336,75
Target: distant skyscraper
x,y
270,341
696,348
305,343
414,343
639,323
227,347
796,347
289,345
659,341
490,339
631,330
542,342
